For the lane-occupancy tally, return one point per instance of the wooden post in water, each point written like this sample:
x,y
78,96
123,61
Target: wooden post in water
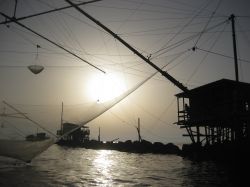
x,y
62,120
139,130
99,135
198,134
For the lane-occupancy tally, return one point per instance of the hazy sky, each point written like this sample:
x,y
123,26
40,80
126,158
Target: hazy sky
x,y
164,30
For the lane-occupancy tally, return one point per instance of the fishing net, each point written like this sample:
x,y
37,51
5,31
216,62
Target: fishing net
x,y
24,138
97,109
22,149
21,137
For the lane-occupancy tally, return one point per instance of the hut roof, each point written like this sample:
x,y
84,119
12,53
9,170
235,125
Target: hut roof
x,y
220,85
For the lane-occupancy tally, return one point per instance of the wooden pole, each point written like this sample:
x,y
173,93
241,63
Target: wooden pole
x,y
99,135
45,12
62,120
54,43
147,60
232,18
139,130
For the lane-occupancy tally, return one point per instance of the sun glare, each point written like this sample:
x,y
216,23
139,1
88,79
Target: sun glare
x,y
105,87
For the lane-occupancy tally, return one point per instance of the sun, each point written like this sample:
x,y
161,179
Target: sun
x,y
105,87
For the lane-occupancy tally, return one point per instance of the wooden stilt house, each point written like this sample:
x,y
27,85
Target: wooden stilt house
x,y
216,112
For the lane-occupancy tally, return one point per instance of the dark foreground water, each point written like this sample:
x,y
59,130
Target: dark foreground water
x,y
60,166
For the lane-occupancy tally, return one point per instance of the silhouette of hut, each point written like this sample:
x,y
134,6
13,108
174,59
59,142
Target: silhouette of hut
x,y
77,136
216,112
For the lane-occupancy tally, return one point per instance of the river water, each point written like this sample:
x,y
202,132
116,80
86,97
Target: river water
x,y
62,166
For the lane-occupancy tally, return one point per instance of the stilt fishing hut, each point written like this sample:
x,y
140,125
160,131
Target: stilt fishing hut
x,y
216,112
79,135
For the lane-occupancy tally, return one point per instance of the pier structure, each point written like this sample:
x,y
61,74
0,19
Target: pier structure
x,y
216,112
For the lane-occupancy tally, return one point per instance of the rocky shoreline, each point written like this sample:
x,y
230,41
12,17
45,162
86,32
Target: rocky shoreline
x,y
128,146
223,153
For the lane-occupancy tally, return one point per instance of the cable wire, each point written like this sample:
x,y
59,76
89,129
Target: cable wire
x,y
188,23
203,59
223,55
179,43
209,20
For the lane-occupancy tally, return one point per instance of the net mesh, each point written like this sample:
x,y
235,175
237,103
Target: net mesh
x,y
18,132
23,150
97,109
21,137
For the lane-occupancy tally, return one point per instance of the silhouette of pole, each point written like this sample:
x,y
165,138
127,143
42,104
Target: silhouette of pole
x,y
45,12
139,130
47,39
164,73
15,9
62,120
232,18
99,135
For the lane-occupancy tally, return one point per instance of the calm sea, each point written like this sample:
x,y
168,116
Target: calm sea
x,y
61,166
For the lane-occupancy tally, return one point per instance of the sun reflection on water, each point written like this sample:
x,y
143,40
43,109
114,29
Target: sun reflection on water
x,y
104,166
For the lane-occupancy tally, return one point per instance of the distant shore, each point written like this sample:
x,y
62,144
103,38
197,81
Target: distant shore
x,y
127,146
223,153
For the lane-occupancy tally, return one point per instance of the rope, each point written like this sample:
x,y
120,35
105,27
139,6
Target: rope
x,y
203,30
187,24
26,117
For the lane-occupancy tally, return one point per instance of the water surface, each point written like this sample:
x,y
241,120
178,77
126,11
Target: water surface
x,y
62,166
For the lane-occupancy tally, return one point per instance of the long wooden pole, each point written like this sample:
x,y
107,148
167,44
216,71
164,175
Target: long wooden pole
x,y
54,43
46,12
164,73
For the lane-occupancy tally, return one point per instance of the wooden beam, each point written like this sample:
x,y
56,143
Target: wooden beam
x,y
46,12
